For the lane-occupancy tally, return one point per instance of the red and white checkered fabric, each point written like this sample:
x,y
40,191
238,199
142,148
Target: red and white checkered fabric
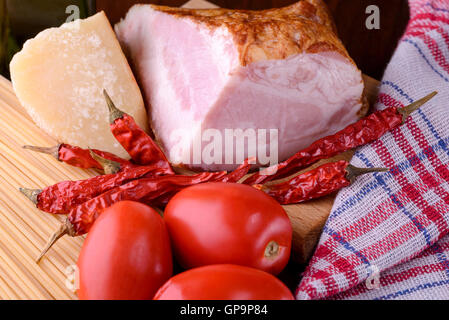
x,y
394,225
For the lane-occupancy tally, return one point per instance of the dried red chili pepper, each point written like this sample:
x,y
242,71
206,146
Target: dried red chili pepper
x,y
62,197
355,135
316,183
78,157
236,175
82,217
232,177
140,146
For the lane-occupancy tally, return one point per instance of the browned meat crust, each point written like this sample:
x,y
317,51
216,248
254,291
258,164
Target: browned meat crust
x,y
305,26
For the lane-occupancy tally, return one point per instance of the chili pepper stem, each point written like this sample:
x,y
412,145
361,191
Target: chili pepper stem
x,y
354,172
109,166
31,194
53,151
408,110
64,229
114,112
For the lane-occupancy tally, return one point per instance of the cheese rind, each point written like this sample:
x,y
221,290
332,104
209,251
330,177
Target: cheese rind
x,y
59,77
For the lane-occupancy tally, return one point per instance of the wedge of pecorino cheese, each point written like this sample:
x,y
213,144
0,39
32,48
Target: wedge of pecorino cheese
x,y
59,77
208,73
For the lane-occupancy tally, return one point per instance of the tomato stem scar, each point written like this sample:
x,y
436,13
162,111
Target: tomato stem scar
x,y
272,250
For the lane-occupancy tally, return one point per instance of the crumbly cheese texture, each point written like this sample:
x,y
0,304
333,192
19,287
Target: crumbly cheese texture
x,y
59,77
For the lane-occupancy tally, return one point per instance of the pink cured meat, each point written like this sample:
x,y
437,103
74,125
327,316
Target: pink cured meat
x,y
219,69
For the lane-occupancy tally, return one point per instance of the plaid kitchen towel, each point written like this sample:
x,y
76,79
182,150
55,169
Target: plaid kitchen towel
x,y
425,277
386,235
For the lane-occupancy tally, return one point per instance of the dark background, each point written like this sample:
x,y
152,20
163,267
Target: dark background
x,y
371,49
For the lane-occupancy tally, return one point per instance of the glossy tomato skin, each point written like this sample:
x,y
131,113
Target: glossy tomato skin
x,y
226,223
126,255
224,282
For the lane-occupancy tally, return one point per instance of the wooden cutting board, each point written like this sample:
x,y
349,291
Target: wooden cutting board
x,y
24,230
